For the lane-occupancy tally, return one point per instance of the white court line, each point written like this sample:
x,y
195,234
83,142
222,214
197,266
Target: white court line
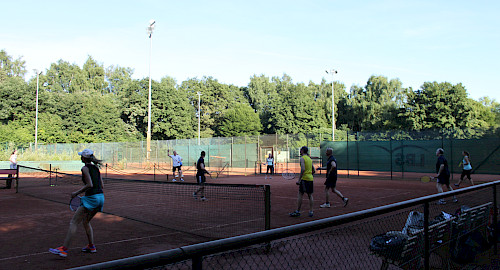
x,y
133,239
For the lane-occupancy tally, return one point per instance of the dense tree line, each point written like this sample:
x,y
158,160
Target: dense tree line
x,y
97,104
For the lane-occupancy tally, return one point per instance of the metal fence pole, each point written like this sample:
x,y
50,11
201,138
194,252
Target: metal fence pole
x,y
357,149
451,158
495,220
347,146
402,158
426,237
197,263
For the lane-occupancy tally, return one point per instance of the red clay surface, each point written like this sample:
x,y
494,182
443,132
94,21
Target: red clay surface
x,y
30,226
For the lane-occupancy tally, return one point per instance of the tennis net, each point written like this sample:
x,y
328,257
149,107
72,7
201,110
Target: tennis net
x,y
229,209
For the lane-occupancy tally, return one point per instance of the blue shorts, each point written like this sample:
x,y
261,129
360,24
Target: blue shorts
x,y
92,202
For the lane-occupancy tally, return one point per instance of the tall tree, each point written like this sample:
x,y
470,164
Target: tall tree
x,y
11,67
377,105
118,78
94,73
216,98
173,116
63,77
240,120
261,93
439,105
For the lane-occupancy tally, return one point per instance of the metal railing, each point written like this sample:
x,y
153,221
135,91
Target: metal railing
x,y
343,239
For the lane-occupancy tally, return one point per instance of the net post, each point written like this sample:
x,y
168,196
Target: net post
x,y
50,174
17,179
267,194
154,171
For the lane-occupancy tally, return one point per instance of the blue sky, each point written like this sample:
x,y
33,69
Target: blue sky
x,y
415,41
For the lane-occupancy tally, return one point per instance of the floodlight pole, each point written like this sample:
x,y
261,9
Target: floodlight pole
x,y
332,71
199,116
36,113
148,139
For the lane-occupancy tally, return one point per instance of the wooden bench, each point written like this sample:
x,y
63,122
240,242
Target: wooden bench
x,y
440,235
12,174
413,250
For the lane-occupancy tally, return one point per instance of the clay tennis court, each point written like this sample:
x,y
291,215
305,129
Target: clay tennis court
x,y
30,226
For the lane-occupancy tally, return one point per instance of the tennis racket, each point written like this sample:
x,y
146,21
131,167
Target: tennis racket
x,y
74,203
288,174
426,179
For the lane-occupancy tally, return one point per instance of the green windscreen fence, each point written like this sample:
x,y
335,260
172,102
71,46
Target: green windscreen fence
x,y
414,155
394,151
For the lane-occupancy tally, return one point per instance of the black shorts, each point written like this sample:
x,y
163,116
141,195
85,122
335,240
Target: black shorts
x,y
306,187
179,168
270,168
200,179
465,173
331,182
444,179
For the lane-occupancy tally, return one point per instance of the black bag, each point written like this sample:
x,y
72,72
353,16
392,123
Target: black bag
x,y
465,249
389,245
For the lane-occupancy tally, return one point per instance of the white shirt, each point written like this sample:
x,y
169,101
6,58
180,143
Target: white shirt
x,y
270,161
176,160
13,161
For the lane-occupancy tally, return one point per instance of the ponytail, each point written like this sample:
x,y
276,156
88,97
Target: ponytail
x,y
94,160
467,154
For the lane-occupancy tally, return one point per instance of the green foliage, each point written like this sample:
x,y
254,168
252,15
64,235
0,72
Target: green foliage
x,y
376,106
97,104
240,120
11,67
173,116
441,105
16,99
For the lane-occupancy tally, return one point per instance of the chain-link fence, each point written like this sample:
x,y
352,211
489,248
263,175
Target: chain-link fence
x,y
455,229
389,151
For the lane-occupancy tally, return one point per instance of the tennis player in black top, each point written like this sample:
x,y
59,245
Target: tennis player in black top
x,y
442,174
331,179
200,177
91,203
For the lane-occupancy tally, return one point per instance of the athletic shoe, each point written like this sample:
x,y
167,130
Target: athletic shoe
x,y
455,200
295,214
203,199
59,251
311,213
173,180
89,249
457,185
441,201
346,201
182,180
325,205
270,177
265,178
194,196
